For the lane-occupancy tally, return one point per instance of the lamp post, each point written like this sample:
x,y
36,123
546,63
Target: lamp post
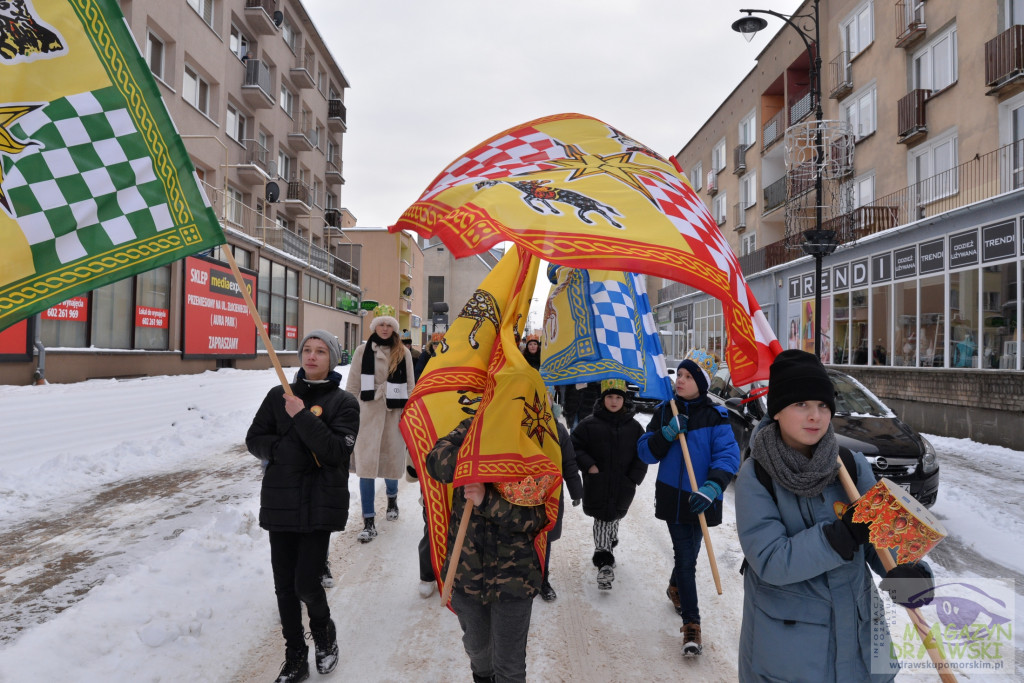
x,y
817,242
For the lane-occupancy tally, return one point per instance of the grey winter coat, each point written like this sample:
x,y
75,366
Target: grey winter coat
x,y
380,449
807,613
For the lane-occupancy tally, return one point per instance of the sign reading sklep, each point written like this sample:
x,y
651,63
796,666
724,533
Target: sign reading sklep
x,y
217,321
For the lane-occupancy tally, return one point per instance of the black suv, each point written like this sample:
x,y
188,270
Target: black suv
x,y
862,423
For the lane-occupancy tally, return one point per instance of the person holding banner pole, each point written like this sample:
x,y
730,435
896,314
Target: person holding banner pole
x,y
688,491
382,377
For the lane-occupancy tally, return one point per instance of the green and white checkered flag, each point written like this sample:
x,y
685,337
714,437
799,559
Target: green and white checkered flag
x,y
95,186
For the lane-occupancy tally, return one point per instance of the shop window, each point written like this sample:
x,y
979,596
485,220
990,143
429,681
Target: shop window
x,y
55,331
841,334
152,309
999,316
881,315
111,317
907,329
278,304
963,319
860,343
932,329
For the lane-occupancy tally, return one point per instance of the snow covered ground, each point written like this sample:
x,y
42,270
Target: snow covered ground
x,y
131,552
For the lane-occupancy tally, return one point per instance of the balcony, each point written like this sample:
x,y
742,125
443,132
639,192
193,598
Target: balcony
x,y
333,173
739,159
260,15
773,130
800,104
304,136
332,217
768,256
1004,62
257,89
840,73
302,72
910,116
336,116
256,167
739,213
910,26
404,304
299,195
775,194
405,270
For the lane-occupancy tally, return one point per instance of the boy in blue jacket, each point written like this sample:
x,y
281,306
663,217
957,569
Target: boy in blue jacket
x,y
715,458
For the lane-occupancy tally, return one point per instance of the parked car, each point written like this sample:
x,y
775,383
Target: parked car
x,y
862,423
642,405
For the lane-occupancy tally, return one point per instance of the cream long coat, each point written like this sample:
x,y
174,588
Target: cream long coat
x,y
380,450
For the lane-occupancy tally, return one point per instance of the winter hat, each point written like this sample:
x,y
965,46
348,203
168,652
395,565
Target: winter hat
x,y
613,386
702,366
333,348
795,376
384,314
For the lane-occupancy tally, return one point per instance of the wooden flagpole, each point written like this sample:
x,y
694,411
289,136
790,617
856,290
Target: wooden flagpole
x,y
888,562
453,561
700,516
226,250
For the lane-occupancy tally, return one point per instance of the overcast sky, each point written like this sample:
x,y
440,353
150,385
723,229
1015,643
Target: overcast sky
x,y
432,78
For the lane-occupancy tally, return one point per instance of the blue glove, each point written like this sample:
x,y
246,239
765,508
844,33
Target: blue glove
x,y
701,499
674,427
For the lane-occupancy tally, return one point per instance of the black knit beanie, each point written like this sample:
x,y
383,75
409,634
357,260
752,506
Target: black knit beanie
x,y
798,376
700,376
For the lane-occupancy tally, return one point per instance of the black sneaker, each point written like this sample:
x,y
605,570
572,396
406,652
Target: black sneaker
x,y
547,592
296,666
392,513
325,640
369,531
605,576
326,579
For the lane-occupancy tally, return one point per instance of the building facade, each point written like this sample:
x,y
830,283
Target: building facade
x,y
259,101
924,286
451,282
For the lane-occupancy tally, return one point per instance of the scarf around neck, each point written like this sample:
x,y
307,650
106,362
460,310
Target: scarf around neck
x,y
396,389
794,471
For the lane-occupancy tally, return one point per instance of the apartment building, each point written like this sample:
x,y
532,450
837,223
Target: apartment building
x,y
259,102
923,289
451,281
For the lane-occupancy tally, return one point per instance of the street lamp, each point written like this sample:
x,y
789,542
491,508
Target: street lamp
x,y
817,242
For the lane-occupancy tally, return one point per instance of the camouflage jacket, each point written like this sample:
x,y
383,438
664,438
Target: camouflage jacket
x,y
498,560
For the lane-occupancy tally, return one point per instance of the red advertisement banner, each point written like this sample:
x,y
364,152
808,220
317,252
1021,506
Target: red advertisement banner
x,y
217,321
14,342
75,308
146,316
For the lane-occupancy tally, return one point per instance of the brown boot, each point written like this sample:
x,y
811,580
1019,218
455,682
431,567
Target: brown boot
x,y
673,594
691,640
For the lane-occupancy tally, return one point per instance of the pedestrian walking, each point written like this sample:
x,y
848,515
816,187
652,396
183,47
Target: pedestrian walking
x,y
306,439
382,377
715,457
606,452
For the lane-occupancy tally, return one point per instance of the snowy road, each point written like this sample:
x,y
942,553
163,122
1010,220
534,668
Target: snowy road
x,y
136,552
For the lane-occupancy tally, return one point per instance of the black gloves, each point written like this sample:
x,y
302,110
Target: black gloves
x,y
910,585
846,535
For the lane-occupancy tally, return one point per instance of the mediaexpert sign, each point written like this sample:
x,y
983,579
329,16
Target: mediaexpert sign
x,y
217,321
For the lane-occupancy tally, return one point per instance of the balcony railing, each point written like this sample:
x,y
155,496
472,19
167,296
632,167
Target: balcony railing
x,y
985,176
739,213
840,75
334,169
299,191
800,104
775,194
336,113
260,14
258,82
910,26
771,132
1004,58
302,72
910,115
739,158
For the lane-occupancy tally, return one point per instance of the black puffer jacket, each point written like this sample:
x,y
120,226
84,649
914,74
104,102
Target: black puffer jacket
x,y
608,440
296,494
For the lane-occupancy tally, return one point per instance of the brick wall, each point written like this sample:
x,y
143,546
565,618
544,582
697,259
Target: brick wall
x,y
986,406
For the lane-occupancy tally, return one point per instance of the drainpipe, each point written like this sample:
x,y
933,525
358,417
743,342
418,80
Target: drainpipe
x,y
39,376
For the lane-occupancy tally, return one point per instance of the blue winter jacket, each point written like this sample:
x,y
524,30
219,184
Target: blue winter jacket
x,y
713,454
807,613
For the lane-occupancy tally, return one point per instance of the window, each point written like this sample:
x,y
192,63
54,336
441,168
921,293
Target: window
x,y
748,243
111,323
748,190
935,65
287,101
205,9
155,55
236,122
291,38
239,43
1014,12
234,206
278,304
152,308
748,130
719,208
331,201
321,80
858,29
933,168
859,112
1017,164
284,165
697,176
317,291
196,91
718,156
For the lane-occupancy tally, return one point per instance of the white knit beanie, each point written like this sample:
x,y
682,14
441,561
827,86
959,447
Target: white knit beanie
x,y
384,319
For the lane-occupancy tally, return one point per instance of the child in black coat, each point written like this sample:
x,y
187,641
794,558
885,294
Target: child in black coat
x,y
606,454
